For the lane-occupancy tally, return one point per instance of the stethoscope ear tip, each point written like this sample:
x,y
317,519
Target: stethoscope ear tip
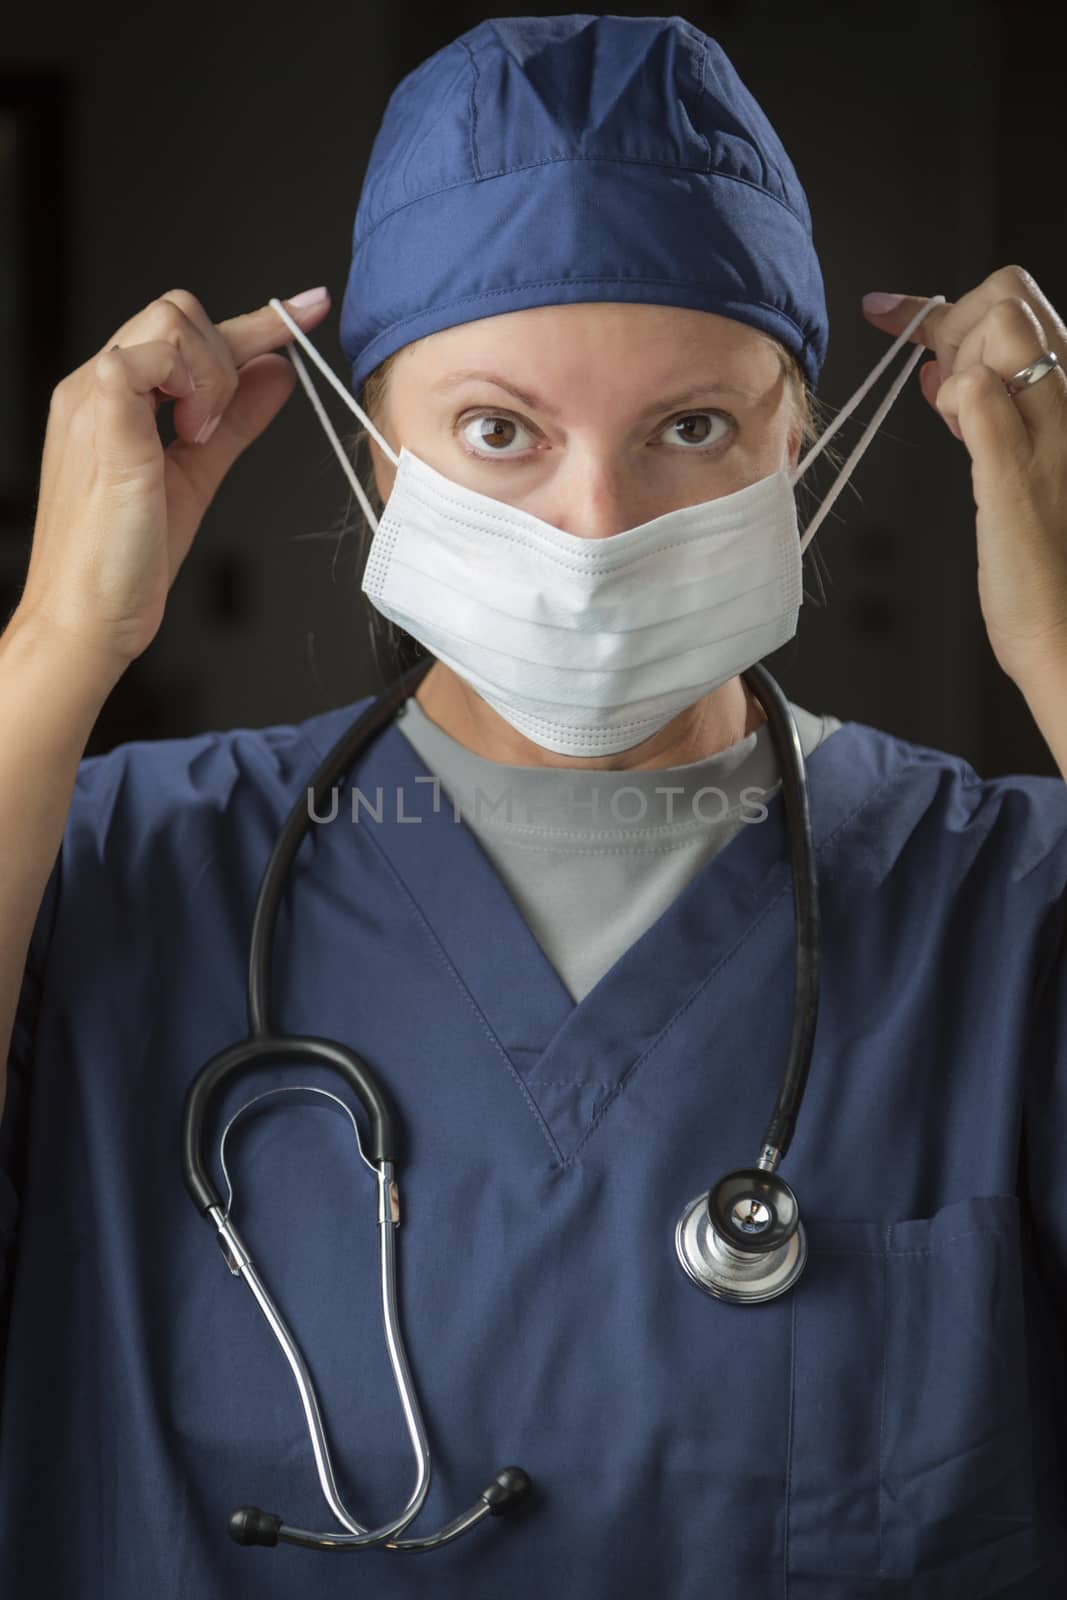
x,y
510,1485
250,1525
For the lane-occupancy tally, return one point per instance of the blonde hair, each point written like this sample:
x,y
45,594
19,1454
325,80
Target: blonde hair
x,y
399,648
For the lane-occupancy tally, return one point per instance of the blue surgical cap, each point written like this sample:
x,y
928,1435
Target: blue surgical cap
x,y
548,160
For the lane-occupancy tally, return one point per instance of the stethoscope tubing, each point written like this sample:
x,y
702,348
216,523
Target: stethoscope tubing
x,y
780,1129
263,1046
332,767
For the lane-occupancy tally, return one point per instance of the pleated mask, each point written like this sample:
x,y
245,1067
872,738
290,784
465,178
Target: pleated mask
x,y
588,646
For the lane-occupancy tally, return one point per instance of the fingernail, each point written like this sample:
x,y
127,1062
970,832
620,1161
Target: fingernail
x,y
179,390
879,303
310,297
208,429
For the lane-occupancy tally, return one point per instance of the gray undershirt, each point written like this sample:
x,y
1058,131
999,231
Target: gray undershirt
x,y
592,859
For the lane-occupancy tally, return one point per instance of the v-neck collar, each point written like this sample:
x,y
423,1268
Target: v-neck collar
x,y
572,1057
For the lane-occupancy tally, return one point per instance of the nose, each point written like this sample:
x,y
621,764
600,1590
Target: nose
x,y
594,498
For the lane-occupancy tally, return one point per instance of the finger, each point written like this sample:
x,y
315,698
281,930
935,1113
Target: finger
x,y
213,378
931,381
124,381
944,329
895,319
254,333
198,421
1009,338
990,425
211,397
244,338
212,353
263,386
1017,282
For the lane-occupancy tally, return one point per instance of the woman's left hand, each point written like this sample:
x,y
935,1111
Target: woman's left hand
x,y
1018,450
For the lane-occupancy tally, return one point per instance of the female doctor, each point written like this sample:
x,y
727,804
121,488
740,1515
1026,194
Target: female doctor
x,y
551,916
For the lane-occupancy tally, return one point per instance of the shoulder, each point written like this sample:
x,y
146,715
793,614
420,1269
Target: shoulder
x,y
929,808
154,821
146,785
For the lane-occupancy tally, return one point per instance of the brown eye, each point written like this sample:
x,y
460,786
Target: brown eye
x,y
702,434
492,432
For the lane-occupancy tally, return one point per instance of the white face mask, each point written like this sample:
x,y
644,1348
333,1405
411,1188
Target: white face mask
x,y
589,646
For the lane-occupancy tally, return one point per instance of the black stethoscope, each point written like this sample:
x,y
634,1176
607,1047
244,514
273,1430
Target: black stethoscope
x,y
741,1241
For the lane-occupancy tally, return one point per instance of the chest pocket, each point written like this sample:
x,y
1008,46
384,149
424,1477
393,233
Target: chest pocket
x,y
910,1456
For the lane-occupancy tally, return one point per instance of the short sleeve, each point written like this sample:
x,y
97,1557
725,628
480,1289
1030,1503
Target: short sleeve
x,y
1045,1115
1043,1168
132,793
14,1121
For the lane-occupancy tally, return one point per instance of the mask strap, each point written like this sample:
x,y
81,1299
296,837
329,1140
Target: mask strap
x,y
349,400
875,422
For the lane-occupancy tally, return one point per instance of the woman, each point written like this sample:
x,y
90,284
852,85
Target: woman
x,y
579,997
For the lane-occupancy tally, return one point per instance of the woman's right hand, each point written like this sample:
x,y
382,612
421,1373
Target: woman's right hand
x,y
117,512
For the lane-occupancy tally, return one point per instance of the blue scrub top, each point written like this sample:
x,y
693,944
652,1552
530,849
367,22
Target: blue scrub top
x,y
895,1424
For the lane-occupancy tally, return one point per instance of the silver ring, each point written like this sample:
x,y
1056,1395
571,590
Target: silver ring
x,y
1033,373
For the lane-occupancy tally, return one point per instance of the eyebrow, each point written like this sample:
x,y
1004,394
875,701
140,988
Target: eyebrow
x,y
668,403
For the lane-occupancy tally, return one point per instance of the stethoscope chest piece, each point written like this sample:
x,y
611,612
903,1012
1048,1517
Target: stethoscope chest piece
x,y
743,1241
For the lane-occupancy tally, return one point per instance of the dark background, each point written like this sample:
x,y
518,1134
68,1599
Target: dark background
x,y
222,151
